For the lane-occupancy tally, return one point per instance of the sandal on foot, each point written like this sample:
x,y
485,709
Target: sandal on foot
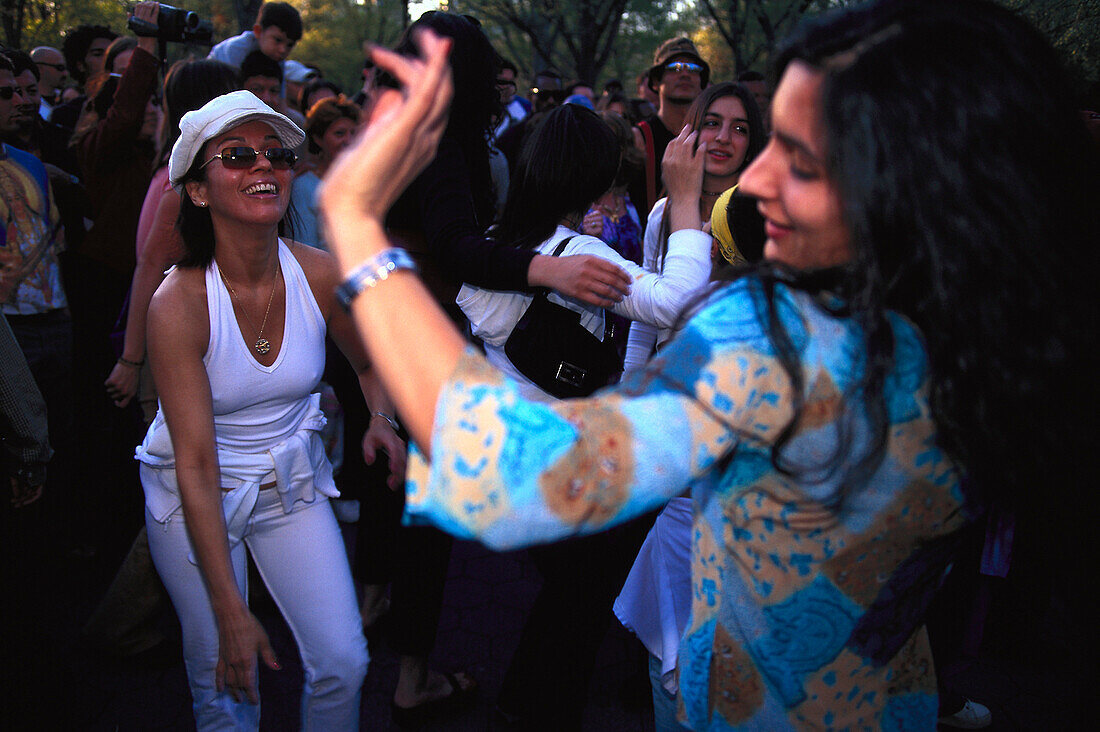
x,y
416,717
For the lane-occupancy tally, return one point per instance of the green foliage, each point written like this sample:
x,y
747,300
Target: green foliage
x,y
335,31
586,39
1073,27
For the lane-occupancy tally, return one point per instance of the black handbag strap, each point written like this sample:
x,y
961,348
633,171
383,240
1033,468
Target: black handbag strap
x,y
561,247
608,326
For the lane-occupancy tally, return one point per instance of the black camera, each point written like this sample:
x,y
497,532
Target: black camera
x,y
177,26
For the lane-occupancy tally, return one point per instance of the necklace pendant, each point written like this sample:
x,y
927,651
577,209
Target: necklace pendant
x,y
262,346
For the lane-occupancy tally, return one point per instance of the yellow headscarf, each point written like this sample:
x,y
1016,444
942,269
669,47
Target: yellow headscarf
x,y
720,229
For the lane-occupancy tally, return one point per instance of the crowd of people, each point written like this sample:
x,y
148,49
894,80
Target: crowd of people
x,y
822,332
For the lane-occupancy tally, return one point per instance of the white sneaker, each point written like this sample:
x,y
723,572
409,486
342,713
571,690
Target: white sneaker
x,y
972,716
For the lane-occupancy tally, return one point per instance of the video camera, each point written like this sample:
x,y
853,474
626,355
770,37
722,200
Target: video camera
x,y
176,26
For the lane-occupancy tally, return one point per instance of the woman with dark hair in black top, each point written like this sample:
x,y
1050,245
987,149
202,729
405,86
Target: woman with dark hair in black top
x,y
441,219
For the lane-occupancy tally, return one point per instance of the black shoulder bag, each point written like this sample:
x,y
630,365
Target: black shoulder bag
x,y
551,348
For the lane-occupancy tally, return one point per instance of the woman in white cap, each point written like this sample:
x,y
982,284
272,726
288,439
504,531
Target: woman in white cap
x,y
236,338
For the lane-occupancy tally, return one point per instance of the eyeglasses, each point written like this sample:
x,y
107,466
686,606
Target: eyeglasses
x,y
506,82
239,158
7,92
55,67
677,67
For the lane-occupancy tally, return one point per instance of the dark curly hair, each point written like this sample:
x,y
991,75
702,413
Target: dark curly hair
x,y
76,44
968,184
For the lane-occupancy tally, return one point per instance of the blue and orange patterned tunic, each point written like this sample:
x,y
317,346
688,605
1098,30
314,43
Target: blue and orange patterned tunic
x,y
805,614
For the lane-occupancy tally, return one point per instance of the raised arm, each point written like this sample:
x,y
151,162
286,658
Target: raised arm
x,y
178,335
506,470
163,248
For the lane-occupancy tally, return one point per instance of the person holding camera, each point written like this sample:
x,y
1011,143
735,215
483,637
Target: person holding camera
x,y
115,151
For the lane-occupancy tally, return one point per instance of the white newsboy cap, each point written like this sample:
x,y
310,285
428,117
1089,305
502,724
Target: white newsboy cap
x,y
219,115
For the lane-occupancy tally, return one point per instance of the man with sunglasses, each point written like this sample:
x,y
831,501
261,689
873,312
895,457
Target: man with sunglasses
x,y
52,73
678,74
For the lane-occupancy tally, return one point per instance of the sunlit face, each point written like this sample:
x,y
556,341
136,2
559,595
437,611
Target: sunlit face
x,y
337,137
680,86
267,88
725,130
274,42
95,57
255,195
800,204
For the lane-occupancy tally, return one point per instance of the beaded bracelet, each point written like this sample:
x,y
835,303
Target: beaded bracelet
x,y
373,271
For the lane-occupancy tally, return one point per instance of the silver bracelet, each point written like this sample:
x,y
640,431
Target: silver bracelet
x,y
388,418
370,273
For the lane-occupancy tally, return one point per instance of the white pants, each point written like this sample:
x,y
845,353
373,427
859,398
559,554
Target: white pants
x,y
300,556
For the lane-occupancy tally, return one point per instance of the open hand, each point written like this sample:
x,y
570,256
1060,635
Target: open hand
x,y
585,277
122,384
381,436
682,167
240,639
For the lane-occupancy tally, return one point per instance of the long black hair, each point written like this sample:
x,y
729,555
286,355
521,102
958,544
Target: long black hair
x,y
968,183
476,102
568,161
188,85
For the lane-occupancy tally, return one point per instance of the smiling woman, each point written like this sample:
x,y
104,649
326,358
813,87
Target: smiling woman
x,y
233,458
922,345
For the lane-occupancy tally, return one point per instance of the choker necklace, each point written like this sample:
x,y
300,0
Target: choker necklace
x,y
262,345
712,194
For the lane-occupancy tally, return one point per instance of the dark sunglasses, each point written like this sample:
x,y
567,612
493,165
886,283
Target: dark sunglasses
x,y
238,158
56,67
679,66
7,92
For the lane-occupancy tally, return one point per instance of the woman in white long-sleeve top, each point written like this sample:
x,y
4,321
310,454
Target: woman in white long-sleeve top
x,y
730,133
568,162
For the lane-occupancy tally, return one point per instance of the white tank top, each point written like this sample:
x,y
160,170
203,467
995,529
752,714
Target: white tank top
x,y
266,418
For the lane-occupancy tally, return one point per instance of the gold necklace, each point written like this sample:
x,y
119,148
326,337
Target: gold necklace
x,y
262,345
